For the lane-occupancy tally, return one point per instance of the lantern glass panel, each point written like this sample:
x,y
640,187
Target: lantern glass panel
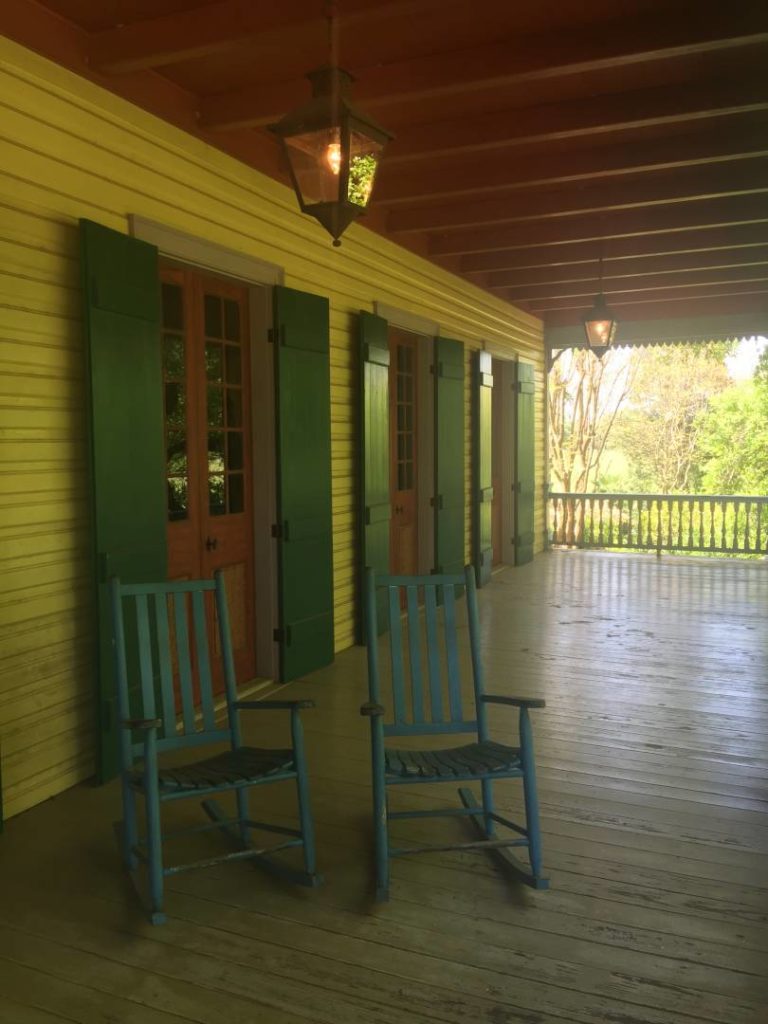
x,y
364,155
316,163
599,332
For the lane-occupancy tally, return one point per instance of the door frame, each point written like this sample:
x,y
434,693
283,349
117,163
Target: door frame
x,y
188,251
426,330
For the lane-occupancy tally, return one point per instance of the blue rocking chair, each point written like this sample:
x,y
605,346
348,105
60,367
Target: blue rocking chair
x,y
417,711
168,650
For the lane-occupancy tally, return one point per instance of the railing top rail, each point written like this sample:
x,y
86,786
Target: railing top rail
x,y
754,498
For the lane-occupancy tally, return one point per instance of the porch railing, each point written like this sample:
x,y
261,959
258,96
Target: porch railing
x,y
718,524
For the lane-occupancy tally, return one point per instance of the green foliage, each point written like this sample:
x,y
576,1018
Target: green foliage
x,y
660,427
361,173
734,440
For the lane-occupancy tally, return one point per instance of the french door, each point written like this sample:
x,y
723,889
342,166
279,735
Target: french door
x,y
208,439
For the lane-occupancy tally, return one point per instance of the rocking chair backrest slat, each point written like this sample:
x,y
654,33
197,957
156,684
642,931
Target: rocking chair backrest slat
x,y
203,661
414,650
173,665
184,662
433,655
451,653
145,657
166,670
396,653
414,710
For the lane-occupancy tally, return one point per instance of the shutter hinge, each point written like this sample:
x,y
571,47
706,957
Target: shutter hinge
x,y
277,530
277,634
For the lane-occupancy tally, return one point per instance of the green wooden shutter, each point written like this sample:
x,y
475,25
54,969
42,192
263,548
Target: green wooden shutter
x,y
121,295
525,488
305,562
449,456
373,458
482,467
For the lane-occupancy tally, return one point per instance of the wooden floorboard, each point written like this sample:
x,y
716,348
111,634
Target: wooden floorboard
x,y
653,774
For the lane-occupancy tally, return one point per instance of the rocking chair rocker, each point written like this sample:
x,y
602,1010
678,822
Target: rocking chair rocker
x,y
143,611
423,713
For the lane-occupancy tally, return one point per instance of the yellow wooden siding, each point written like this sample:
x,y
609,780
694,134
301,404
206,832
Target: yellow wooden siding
x,y
71,150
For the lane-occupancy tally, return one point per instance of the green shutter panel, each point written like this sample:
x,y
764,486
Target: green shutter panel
x,y
121,296
373,457
482,467
449,456
305,543
525,465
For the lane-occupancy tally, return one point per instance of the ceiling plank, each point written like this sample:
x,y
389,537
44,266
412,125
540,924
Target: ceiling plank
x,y
593,227
738,306
588,288
638,268
468,177
659,188
215,28
705,28
704,291
601,115
663,244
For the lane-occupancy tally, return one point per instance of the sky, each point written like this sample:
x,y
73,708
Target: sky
x,y
741,365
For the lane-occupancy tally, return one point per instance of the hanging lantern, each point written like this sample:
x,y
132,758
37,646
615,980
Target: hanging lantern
x,y
600,327
333,152
600,323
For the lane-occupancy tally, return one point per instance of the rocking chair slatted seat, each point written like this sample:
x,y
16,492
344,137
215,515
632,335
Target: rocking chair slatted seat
x,y
154,652
436,709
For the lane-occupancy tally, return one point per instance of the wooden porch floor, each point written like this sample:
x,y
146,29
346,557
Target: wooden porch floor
x,y
654,785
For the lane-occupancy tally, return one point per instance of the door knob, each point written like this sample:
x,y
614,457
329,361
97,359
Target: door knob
x,y
211,544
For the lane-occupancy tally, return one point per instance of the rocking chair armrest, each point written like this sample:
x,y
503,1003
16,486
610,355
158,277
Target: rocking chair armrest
x,y
515,702
370,710
272,705
146,724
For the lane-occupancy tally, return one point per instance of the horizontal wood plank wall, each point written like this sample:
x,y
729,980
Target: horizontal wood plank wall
x,y
71,150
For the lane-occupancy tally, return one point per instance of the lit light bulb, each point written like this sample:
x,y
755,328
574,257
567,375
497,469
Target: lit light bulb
x,y
333,157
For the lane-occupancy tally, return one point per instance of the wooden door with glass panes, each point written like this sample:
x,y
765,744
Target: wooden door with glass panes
x,y
206,368
403,481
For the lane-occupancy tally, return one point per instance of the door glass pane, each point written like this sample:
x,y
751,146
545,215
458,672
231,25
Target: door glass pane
x,y
216,503
173,306
215,406
234,408
173,356
234,369
236,492
231,320
177,498
175,404
213,362
213,317
215,451
234,449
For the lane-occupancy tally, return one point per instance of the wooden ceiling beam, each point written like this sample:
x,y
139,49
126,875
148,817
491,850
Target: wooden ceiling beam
x,y
469,178
662,188
215,28
654,309
593,227
730,237
588,288
596,116
662,295
705,28
635,268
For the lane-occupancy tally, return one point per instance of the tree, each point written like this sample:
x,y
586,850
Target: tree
x,y
661,432
734,440
585,396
